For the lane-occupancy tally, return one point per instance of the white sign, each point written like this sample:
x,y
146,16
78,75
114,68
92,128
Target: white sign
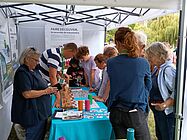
x,y
14,47
56,36
6,70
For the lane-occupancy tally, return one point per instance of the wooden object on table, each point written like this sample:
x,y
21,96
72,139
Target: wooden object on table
x,y
67,98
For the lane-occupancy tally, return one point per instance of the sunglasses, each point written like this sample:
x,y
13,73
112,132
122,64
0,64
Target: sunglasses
x,y
33,49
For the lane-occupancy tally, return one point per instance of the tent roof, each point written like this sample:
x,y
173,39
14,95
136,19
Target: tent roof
x,y
155,4
107,16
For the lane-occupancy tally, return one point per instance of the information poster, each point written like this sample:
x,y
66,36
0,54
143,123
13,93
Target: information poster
x,y
6,70
14,47
56,36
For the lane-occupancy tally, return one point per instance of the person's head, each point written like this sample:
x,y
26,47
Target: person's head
x,y
74,62
83,53
30,57
157,54
171,54
126,40
70,49
110,52
142,41
100,61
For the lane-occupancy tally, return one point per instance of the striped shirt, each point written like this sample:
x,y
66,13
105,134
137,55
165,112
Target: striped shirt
x,y
50,57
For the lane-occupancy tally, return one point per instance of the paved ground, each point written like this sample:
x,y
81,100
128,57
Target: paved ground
x,y
12,135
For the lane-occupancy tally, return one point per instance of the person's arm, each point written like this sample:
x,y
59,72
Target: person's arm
x,y
147,79
92,78
53,75
169,79
53,81
107,90
93,69
105,95
162,106
37,93
86,78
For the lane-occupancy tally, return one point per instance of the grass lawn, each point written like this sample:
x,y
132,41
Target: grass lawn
x,y
151,125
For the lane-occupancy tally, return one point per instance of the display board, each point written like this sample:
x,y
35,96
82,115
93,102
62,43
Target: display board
x,y
14,46
6,77
6,71
56,36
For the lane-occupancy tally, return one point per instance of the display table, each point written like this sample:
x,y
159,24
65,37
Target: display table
x,y
94,126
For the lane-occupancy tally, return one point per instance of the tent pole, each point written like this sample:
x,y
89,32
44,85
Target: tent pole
x,y
180,73
105,33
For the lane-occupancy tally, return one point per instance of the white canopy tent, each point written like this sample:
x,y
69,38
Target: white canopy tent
x,y
167,5
157,4
105,16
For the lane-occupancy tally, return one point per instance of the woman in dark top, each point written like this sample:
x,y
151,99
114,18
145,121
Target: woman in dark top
x,y
130,83
31,104
76,73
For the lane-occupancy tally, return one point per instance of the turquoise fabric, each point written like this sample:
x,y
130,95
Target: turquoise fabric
x,y
85,129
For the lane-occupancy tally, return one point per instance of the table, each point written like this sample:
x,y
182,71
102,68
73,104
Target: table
x,y
97,128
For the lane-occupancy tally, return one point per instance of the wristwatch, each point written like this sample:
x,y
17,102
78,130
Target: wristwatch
x,y
164,105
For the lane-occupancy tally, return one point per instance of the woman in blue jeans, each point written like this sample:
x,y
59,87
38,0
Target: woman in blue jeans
x,y
162,92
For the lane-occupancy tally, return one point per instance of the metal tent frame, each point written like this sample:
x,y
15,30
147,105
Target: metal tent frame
x,y
108,17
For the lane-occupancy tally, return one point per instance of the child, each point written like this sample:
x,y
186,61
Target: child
x,y
100,61
76,73
90,69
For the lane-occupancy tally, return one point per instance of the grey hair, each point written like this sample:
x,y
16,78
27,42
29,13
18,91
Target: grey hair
x,y
142,37
159,50
28,52
110,51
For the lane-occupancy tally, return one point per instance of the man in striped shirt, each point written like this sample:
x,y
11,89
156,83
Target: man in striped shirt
x,y
52,63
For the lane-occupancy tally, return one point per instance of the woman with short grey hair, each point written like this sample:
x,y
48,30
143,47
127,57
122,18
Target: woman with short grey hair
x,y
31,104
28,52
142,41
162,92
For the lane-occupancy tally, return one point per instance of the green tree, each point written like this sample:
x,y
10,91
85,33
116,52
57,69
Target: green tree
x,y
164,29
110,35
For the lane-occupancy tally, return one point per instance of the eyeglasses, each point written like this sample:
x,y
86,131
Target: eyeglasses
x,y
35,59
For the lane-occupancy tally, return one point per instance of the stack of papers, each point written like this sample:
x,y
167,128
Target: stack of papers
x,y
69,115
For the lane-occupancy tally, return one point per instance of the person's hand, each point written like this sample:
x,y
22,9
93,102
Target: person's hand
x,y
98,98
57,104
50,90
86,85
159,106
92,89
66,77
57,100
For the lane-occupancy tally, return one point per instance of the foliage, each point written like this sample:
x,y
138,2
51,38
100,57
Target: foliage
x,y
110,35
164,29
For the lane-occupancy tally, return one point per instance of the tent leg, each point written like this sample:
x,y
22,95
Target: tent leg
x,y
181,68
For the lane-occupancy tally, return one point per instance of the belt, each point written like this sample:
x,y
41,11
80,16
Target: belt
x,y
157,101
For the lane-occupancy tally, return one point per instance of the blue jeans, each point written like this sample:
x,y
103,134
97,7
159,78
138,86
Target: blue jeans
x,y
164,124
122,119
36,132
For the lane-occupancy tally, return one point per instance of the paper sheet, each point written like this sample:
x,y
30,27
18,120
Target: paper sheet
x,y
58,115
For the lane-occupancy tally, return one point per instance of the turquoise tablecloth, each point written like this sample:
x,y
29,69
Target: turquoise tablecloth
x,y
85,129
